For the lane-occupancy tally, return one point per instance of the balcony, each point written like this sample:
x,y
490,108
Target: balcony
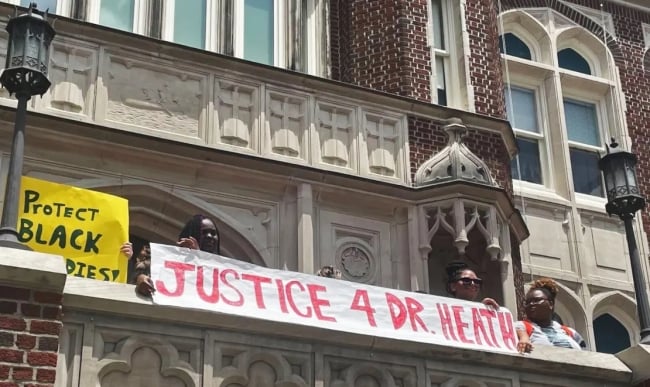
x,y
112,337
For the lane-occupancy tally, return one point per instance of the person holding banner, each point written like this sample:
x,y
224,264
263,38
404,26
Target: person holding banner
x,y
199,233
539,323
463,283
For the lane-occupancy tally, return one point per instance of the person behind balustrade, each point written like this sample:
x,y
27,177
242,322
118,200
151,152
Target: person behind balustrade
x,y
329,271
464,284
539,323
199,233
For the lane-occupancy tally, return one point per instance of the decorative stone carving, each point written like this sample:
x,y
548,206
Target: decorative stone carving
x,y
343,373
72,75
355,262
253,368
454,162
143,95
356,255
454,218
383,141
236,109
287,120
336,132
145,360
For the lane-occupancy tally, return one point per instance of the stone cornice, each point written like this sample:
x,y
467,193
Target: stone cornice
x,y
52,129
32,270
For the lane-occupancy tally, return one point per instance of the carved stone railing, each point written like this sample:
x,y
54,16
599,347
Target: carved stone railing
x,y
114,338
111,337
128,82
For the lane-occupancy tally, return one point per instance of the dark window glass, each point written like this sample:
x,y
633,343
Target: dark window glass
x,y
529,162
569,59
611,335
514,46
586,174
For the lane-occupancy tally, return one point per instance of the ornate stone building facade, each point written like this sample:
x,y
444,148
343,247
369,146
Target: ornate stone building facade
x,y
368,135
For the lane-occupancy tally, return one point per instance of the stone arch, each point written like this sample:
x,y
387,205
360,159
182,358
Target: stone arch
x,y
576,17
620,306
158,213
530,31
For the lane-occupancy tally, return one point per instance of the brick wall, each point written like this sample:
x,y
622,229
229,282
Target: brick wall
x,y
484,60
30,323
382,45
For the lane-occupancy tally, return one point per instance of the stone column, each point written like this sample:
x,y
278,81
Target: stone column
x,y
305,210
31,292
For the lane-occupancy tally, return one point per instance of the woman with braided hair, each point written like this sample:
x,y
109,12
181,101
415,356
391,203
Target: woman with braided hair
x,y
539,323
199,233
462,283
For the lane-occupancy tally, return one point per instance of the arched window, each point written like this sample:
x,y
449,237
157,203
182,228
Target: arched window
x,y
569,59
510,44
611,335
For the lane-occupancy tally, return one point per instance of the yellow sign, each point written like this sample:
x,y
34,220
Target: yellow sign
x,y
86,227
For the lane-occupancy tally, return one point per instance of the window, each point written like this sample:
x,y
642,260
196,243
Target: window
x,y
522,111
49,5
259,31
514,46
611,336
117,14
570,59
584,145
447,68
560,118
189,22
273,32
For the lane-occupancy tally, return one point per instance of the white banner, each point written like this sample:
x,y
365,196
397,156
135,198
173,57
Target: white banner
x,y
194,279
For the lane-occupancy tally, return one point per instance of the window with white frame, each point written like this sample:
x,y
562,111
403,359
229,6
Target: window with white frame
x,y
575,103
447,71
283,33
523,114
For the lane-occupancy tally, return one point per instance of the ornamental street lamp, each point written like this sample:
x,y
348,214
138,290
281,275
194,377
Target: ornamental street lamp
x,y
25,75
624,199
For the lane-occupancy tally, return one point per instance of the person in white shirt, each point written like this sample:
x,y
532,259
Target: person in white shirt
x,y
539,323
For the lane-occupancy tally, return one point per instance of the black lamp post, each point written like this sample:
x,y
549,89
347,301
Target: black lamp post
x,y
624,199
25,75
